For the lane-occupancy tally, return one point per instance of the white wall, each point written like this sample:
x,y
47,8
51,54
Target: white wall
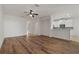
x,y
75,23
45,26
1,26
17,26
75,31
14,26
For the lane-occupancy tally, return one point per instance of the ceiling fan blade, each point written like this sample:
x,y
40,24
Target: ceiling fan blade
x,y
35,14
37,5
26,14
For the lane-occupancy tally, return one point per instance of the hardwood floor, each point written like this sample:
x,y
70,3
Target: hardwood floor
x,y
38,45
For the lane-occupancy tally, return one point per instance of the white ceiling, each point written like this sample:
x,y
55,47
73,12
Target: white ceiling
x,y
43,10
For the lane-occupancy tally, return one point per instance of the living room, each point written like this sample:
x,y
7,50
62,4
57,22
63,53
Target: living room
x,y
52,28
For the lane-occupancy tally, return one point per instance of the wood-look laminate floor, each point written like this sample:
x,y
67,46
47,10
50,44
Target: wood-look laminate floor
x,y
38,45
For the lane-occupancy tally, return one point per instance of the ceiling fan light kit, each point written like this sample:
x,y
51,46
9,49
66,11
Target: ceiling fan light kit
x,y
31,13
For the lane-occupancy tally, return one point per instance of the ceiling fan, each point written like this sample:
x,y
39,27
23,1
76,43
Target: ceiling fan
x,y
31,13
